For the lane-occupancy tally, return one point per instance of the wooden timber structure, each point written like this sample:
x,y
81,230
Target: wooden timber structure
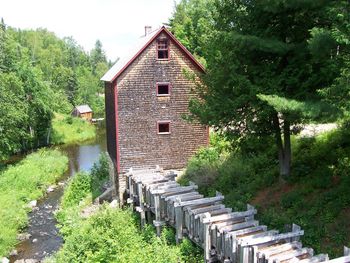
x,y
225,235
83,111
147,95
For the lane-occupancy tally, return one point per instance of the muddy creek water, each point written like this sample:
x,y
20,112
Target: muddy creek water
x,y
45,239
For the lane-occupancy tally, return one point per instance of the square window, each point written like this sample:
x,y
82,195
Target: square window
x,y
163,89
163,49
163,127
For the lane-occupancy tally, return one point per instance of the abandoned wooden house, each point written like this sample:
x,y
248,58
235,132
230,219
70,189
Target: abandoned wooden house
x,y
82,111
146,95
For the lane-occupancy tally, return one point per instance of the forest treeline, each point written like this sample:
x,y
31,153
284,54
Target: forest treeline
x,y
272,66
41,74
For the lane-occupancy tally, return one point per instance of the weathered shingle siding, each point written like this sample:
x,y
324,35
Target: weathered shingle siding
x,y
139,110
111,121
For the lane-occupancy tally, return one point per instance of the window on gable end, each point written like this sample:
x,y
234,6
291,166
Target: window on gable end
x,y
163,48
163,89
163,127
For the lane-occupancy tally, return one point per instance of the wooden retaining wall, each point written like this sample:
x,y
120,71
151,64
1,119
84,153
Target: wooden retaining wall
x,y
225,235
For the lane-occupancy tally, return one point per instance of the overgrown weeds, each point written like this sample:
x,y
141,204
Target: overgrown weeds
x,y
111,235
316,196
21,183
68,130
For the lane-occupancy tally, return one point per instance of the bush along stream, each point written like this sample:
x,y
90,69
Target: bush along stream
x,y
21,185
39,235
105,233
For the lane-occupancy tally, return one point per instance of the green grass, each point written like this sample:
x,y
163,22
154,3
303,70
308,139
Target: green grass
x,y
111,235
21,183
316,196
69,130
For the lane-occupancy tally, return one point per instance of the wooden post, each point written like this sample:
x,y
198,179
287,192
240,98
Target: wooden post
x,y
346,251
157,222
295,228
206,235
130,188
130,200
141,204
178,220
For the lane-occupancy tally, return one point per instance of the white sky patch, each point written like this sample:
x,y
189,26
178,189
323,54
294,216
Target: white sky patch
x,y
117,23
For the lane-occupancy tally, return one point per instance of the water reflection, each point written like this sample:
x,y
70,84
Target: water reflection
x,y
88,154
82,157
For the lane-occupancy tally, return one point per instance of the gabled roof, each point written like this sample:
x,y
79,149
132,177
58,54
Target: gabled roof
x,y
83,108
144,42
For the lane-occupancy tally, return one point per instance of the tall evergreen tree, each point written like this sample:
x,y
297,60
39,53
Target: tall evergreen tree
x,y
97,56
2,44
268,62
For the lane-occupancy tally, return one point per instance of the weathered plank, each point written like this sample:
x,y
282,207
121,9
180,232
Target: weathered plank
x,y
226,236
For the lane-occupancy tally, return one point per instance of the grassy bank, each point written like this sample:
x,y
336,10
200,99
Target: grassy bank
x,y
110,234
21,183
316,196
68,129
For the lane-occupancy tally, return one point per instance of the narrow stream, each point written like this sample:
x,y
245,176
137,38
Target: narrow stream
x,y
45,239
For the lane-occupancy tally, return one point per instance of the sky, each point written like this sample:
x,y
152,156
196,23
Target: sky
x,y
116,23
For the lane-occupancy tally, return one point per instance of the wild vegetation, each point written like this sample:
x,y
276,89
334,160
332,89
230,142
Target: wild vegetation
x,y
67,129
315,196
110,234
41,74
273,66
22,183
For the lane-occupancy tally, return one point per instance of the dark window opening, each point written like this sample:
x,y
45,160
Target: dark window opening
x,y
163,127
163,89
162,47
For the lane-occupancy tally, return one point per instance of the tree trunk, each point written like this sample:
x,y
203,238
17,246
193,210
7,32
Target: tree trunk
x,y
283,146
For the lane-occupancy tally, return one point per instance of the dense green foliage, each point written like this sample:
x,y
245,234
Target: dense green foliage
x,y
271,65
192,23
99,175
315,196
113,235
81,190
237,175
67,129
41,74
110,235
21,183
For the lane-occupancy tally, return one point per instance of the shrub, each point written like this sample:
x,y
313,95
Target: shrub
x,y
69,120
203,167
315,196
190,252
68,130
111,235
237,175
114,236
78,188
291,199
21,183
80,191
99,175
